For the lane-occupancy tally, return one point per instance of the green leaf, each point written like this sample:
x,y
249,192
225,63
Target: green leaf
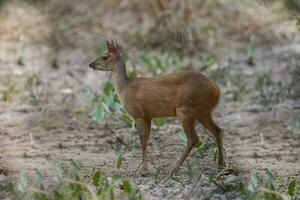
x,y
220,75
106,108
38,196
198,144
293,123
108,88
59,170
58,196
75,170
96,178
182,135
291,188
127,186
97,114
23,184
222,133
242,188
202,154
117,177
11,188
132,74
159,121
125,117
210,178
190,170
209,60
87,93
270,183
39,180
250,53
254,182
120,160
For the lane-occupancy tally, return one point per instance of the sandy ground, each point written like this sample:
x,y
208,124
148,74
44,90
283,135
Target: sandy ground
x,y
36,137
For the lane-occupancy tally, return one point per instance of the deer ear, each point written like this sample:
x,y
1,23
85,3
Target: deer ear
x,y
113,42
111,48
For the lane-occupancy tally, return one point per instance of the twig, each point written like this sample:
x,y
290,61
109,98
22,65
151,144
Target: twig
x,y
225,171
273,192
39,191
134,174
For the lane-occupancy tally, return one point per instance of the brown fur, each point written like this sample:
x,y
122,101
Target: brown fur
x,y
187,94
161,96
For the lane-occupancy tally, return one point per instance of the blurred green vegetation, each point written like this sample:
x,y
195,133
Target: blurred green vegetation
x,y
69,184
257,188
107,104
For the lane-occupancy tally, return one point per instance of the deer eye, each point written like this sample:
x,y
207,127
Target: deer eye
x,y
104,58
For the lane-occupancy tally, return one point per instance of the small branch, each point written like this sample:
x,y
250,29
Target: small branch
x,y
224,172
39,191
273,192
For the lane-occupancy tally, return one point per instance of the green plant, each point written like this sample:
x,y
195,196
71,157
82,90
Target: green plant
x,y
132,193
208,61
31,85
9,90
159,122
107,104
292,189
69,185
54,57
158,63
220,75
270,91
294,122
250,54
258,188
190,171
239,87
120,160
262,188
297,64
20,58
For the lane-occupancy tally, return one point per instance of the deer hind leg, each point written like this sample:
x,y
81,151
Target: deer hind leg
x,y
143,126
212,127
188,126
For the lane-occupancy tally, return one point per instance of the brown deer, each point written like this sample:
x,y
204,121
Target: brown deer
x,y
187,94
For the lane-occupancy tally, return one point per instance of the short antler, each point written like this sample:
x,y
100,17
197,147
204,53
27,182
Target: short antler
x,y
119,47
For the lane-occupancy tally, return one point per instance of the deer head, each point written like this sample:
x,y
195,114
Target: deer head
x,y
109,60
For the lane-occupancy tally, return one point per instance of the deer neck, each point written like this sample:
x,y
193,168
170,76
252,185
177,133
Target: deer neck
x,y
120,78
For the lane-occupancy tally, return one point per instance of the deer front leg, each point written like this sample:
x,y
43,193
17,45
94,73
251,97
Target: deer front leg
x,y
143,126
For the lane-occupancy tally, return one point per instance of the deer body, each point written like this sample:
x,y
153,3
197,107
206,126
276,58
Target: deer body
x,y
188,94
161,96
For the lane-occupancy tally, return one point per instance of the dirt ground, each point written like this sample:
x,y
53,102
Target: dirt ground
x,y
36,137
45,49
